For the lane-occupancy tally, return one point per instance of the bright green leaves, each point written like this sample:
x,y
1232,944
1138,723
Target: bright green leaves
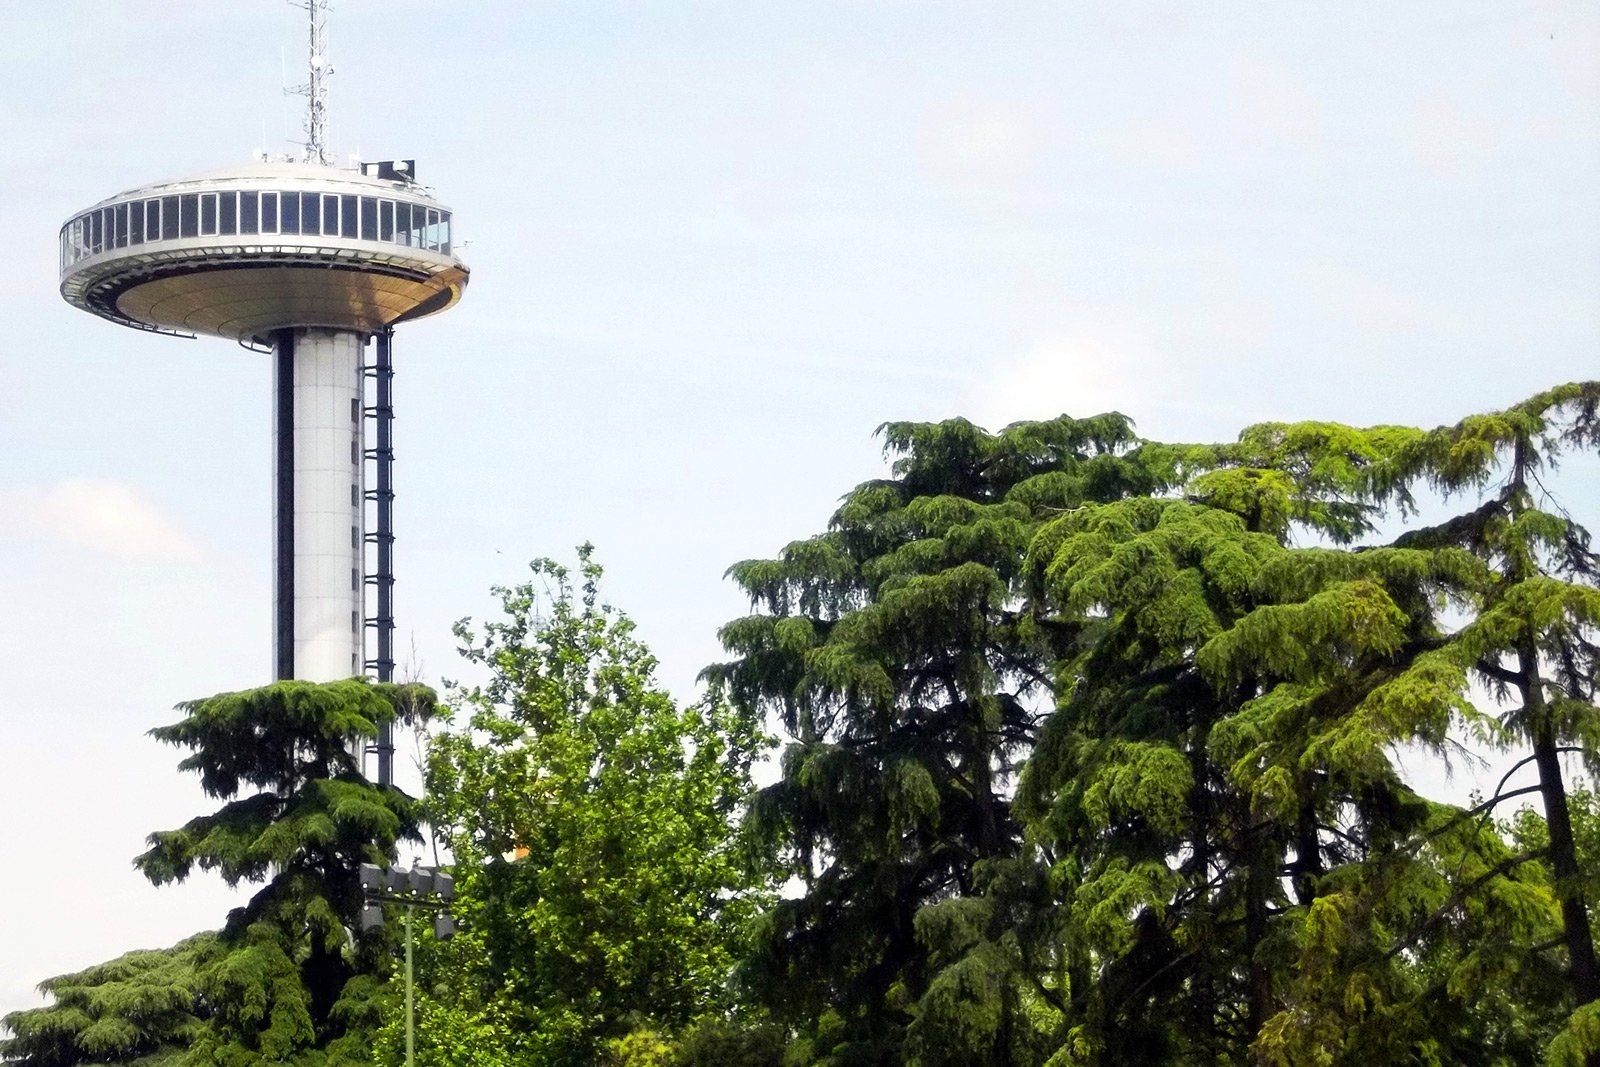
x,y
1300,642
1143,783
601,884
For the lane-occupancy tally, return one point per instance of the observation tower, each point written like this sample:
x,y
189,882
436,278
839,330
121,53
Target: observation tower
x,y
315,265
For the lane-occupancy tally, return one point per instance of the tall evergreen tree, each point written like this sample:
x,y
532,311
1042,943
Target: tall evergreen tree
x,y
1219,763
1212,857
1534,638
284,980
896,653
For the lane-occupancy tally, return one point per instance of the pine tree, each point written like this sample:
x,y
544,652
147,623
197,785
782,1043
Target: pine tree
x,y
1211,856
895,652
283,980
1534,639
142,1007
287,981
1218,769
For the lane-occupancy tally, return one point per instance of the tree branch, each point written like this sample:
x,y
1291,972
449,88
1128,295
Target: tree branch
x,y
1459,895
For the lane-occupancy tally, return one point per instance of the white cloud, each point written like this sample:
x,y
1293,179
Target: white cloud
x,y
101,515
1448,139
1077,376
1151,142
980,146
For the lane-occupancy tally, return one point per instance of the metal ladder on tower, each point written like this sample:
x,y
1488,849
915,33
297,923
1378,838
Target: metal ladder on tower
x,y
378,598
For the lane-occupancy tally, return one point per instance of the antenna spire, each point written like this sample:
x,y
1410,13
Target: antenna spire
x,y
315,90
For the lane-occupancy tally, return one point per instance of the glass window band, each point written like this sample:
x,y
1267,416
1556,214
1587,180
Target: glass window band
x,y
245,212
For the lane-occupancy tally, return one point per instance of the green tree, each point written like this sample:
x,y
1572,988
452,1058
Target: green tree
x,y
1534,638
142,1007
1219,765
897,654
602,888
1210,856
284,980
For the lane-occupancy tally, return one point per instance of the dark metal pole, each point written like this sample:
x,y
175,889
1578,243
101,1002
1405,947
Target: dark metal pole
x,y
283,501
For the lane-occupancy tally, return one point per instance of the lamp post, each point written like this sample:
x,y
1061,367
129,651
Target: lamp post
x,y
427,888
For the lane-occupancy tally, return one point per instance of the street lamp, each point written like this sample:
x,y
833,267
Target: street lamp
x,y
427,888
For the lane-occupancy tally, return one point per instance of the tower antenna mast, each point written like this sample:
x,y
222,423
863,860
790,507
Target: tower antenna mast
x,y
315,90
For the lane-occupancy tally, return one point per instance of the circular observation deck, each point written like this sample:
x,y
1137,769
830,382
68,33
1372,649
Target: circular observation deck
x,y
246,251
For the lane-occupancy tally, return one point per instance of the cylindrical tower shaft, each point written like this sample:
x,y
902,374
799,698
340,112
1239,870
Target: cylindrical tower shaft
x,y
317,460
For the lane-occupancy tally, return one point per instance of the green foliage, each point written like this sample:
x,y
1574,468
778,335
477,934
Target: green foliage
x,y
1208,855
451,1030
602,890
141,1007
895,650
284,980
1090,761
278,989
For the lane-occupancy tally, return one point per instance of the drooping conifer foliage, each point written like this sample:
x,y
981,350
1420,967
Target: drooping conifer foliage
x,y
1092,748
897,652
1099,751
143,1007
300,817
284,980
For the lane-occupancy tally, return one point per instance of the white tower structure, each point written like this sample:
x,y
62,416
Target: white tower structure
x,y
316,265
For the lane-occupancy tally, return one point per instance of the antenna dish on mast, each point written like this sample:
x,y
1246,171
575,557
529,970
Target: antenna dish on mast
x,y
315,90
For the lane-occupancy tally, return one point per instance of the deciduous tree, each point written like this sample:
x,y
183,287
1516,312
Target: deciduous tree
x,y
601,885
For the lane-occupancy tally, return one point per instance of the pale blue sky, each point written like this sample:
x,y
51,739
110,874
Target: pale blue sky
x,y
714,245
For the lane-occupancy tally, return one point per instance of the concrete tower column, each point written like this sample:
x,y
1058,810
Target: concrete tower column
x,y
317,468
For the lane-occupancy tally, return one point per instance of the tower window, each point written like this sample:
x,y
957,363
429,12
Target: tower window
x,y
249,212
330,214
152,220
269,212
348,219
136,223
369,218
386,220
228,213
189,215
208,214
169,218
